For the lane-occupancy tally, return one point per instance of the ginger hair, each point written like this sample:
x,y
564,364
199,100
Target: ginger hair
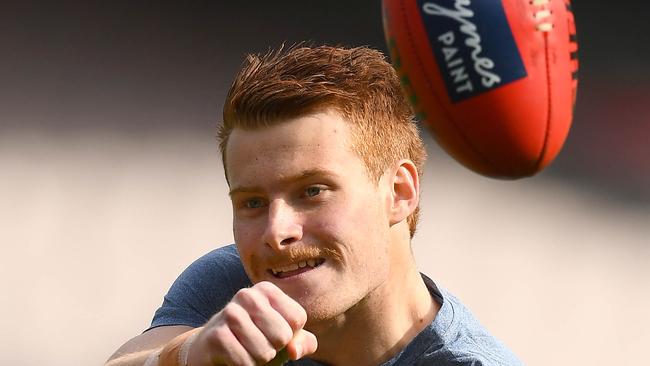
x,y
356,82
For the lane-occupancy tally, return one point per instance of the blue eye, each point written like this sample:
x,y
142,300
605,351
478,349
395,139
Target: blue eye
x,y
313,191
254,203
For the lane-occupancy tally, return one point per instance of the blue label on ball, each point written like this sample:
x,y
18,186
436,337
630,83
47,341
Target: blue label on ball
x,y
473,45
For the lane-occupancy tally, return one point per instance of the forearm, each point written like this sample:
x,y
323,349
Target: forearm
x,y
136,351
132,359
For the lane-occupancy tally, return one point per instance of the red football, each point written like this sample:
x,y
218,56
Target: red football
x,y
495,80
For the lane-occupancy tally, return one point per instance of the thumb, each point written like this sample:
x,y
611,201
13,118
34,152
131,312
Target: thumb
x,y
303,343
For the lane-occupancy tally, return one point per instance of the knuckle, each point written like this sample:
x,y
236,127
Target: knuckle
x,y
216,337
263,356
268,356
281,339
257,317
232,315
243,294
250,299
267,287
298,318
257,311
255,305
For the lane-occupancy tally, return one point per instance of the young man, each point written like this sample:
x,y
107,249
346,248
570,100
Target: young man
x,y
323,160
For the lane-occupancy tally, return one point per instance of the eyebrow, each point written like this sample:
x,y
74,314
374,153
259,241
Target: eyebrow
x,y
306,174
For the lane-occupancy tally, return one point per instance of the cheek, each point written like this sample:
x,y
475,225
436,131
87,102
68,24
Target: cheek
x,y
241,236
248,231
366,214
370,227
247,241
352,222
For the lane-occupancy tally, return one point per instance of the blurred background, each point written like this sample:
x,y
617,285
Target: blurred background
x,y
111,181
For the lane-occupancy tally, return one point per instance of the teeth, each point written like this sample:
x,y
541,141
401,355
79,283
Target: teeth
x,y
292,267
289,268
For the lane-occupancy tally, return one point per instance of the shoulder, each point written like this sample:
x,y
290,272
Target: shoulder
x,y
217,271
462,340
203,289
220,257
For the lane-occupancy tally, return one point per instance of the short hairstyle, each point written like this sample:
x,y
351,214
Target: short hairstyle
x,y
356,82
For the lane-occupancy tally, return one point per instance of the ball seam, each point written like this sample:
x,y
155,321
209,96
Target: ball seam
x,y
549,106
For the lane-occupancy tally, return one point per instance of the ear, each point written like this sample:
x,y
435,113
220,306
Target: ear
x,y
405,191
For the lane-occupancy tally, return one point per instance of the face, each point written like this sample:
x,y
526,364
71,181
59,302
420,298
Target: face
x,y
306,215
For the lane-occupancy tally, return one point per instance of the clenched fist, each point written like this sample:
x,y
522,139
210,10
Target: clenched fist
x,y
252,328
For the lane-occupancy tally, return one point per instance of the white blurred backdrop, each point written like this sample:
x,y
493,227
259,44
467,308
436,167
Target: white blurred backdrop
x,y
95,228
111,184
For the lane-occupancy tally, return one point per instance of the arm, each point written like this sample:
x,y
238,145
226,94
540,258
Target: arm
x,y
135,351
203,289
257,325
216,284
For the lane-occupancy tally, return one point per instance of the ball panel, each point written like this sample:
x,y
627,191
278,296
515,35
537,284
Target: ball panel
x,y
413,59
512,130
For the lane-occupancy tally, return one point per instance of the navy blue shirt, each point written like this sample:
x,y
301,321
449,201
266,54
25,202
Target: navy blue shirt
x,y
454,337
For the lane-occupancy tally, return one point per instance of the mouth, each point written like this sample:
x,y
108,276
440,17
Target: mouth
x,y
296,268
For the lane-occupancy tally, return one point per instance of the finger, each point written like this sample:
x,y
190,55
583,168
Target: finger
x,y
247,333
280,359
223,347
288,308
303,343
275,328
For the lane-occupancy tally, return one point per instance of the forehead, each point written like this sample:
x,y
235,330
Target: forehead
x,y
320,141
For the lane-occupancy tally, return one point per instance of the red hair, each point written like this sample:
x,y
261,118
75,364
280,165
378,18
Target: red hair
x,y
356,82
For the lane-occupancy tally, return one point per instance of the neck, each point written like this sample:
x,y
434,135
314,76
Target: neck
x,y
383,323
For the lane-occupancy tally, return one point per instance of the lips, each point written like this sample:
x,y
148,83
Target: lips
x,y
296,268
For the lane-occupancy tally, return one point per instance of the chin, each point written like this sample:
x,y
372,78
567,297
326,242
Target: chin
x,y
318,315
327,309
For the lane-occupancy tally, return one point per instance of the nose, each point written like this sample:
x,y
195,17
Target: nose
x,y
283,226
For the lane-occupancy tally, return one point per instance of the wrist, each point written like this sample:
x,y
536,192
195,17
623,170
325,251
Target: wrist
x,y
176,351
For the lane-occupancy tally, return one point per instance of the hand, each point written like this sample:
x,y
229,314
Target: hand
x,y
250,330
